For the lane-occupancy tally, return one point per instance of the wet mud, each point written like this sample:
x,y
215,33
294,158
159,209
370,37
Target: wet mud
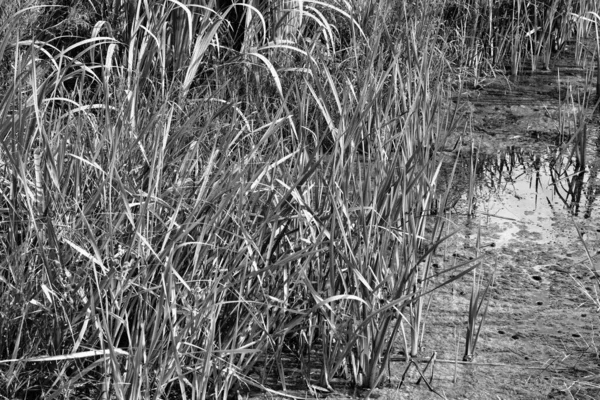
x,y
534,205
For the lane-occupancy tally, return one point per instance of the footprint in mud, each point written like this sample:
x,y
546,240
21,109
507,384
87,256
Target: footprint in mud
x,y
515,336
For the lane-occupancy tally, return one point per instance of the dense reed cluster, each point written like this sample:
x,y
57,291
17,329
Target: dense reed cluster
x,y
194,192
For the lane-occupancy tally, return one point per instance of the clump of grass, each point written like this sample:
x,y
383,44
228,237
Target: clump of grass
x,y
478,297
487,36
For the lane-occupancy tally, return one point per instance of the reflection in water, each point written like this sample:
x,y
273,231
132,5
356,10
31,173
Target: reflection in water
x,y
522,195
568,182
517,195
520,175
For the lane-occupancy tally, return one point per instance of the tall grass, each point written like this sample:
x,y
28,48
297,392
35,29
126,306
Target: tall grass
x,y
182,209
489,36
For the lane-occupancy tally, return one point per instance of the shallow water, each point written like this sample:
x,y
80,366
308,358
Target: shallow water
x,y
520,193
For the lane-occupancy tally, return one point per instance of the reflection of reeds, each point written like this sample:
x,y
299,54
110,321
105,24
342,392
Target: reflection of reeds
x,y
569,179
572,125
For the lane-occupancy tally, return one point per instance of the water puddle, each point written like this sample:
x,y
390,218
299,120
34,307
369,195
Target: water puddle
x,y
518,195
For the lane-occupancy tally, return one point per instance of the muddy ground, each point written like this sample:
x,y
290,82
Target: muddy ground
x,y
541,335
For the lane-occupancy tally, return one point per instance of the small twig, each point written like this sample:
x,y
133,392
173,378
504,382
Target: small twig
x,y
432,362
425,380
399,359
455,357
412,362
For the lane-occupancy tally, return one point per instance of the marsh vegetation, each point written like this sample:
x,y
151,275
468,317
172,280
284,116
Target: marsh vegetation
x,y
196,195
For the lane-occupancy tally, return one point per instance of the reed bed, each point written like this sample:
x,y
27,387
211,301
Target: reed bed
x,y
487,37
183,204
